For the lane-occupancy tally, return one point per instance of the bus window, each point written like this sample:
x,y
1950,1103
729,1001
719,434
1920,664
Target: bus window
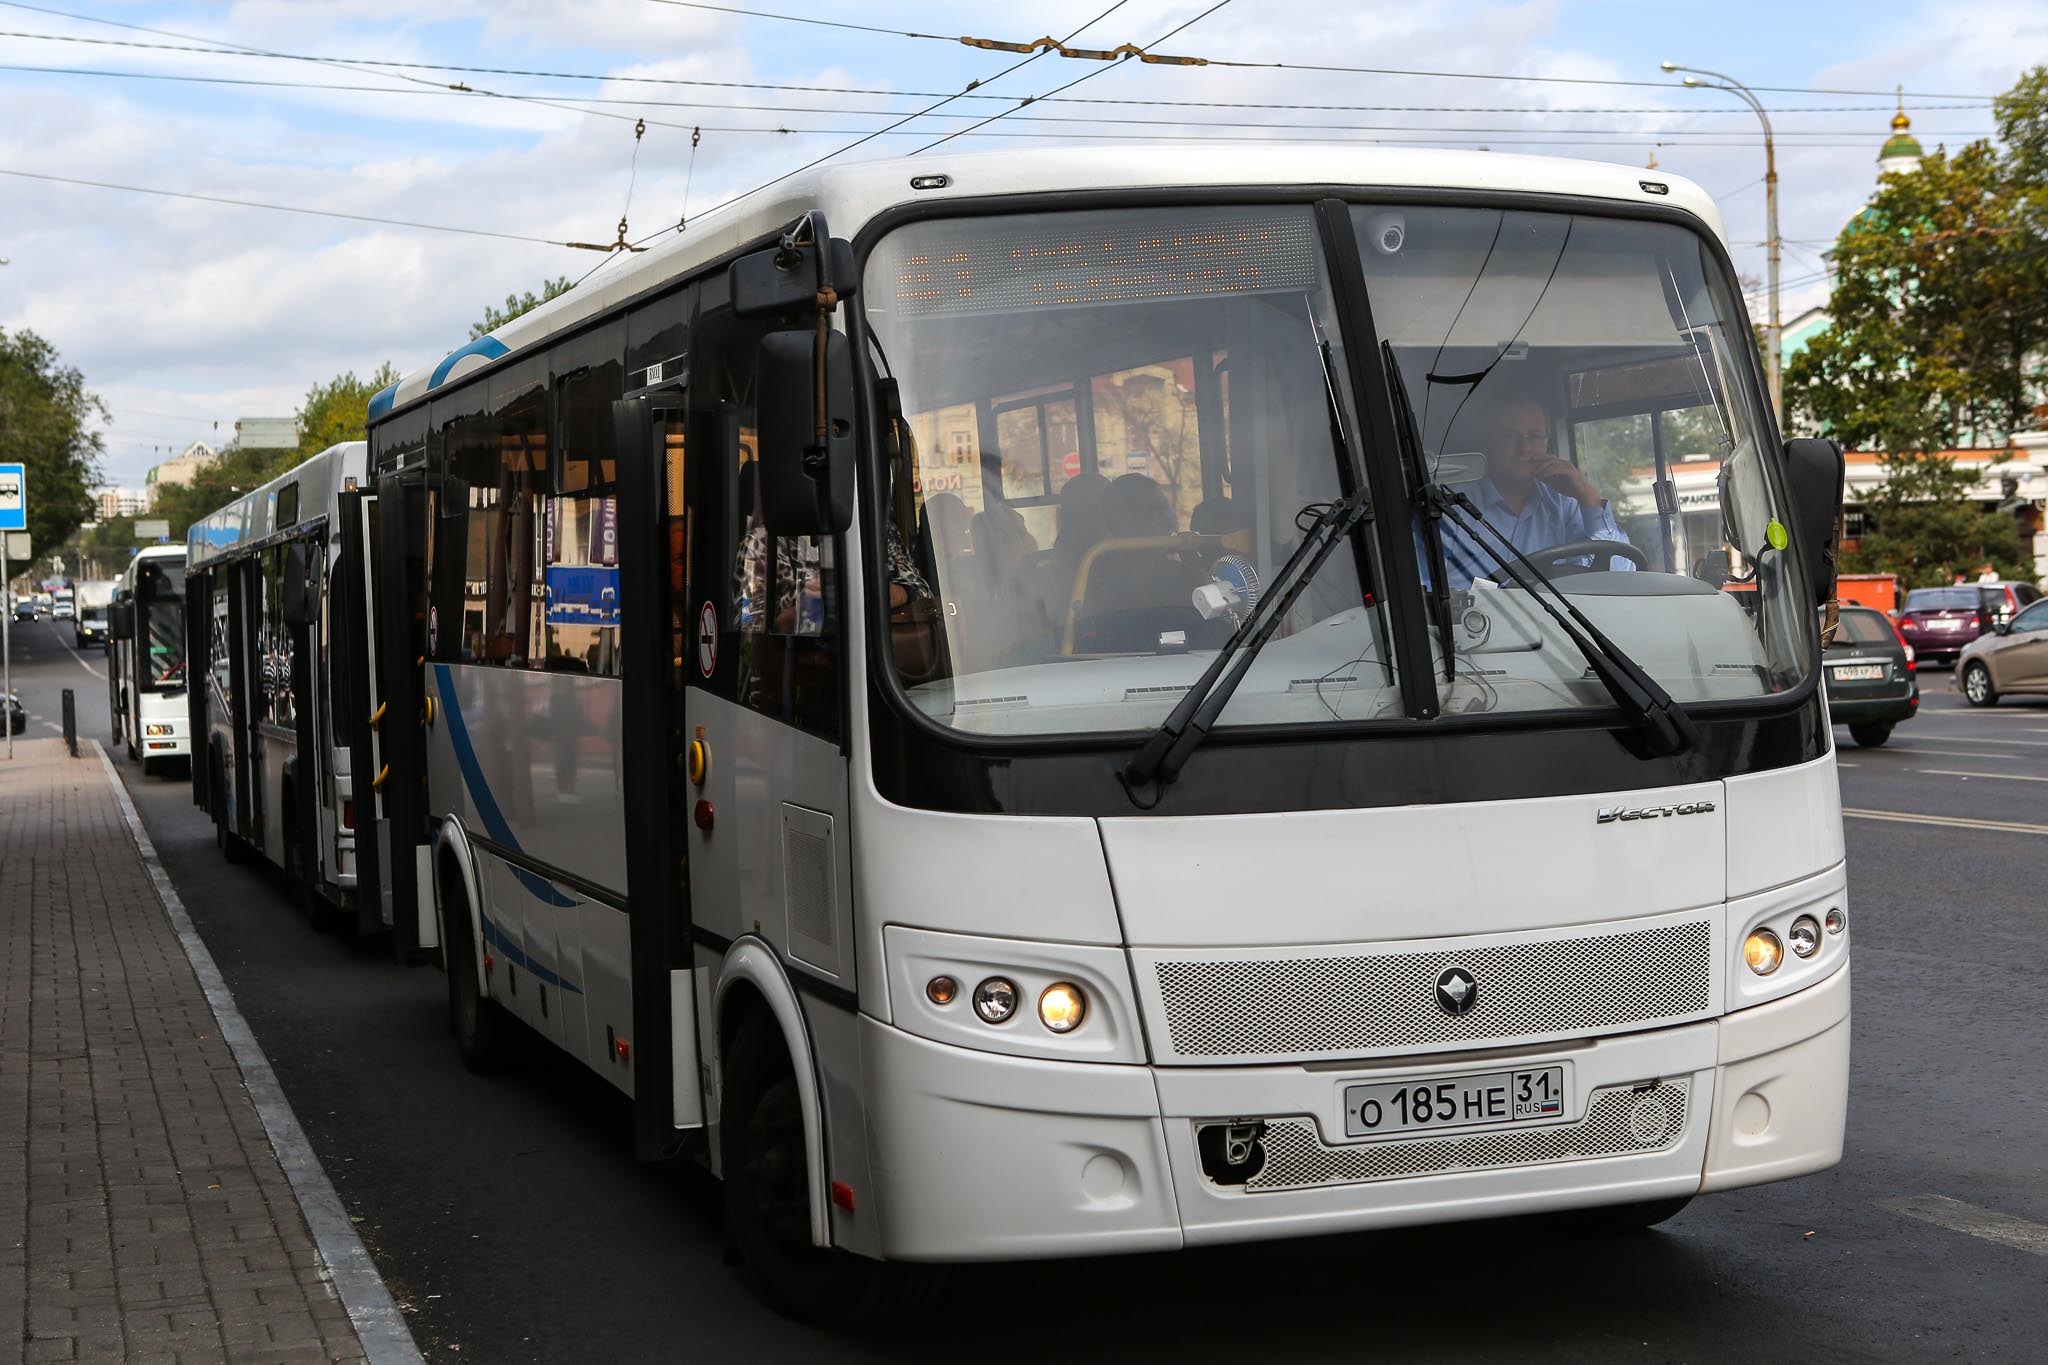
x,y
580,532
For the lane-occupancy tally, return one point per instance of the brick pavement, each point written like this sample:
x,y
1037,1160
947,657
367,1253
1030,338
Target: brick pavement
x,y
144,1214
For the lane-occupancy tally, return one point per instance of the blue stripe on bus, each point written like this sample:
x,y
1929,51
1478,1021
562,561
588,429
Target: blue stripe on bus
x,y
494,822
382,399
490,348
495,938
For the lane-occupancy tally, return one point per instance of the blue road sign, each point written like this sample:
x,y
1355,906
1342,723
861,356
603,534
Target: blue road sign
x,y
13,497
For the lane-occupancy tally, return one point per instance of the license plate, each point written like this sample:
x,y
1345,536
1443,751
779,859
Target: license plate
x,y
1945,623
1490,1099
1859,672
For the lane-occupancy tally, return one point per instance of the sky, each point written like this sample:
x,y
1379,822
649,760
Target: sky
x,y
186,315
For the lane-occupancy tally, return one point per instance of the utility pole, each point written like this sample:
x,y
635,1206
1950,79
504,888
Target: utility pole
x,y
1774,354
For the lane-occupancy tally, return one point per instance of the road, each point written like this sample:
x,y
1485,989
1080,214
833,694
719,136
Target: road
x,y
510,1220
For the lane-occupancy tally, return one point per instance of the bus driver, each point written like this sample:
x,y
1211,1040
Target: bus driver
x,y
1535,499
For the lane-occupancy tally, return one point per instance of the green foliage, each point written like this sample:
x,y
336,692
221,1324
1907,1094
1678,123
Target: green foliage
x,y
1925,528
338,410
515,304
1940,304
46,420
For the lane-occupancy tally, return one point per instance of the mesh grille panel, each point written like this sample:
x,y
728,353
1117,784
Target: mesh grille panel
x,y
1617,1123
807,881
1352,1005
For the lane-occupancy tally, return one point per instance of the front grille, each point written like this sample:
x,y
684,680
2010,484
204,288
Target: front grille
x,y
1350,1006
1618,1122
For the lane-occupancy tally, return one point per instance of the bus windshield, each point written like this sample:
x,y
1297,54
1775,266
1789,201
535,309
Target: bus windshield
x,y
1114,425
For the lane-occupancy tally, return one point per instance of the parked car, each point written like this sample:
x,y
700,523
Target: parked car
x,y
1872,676
17,718
1938,622
2008,600
2011,657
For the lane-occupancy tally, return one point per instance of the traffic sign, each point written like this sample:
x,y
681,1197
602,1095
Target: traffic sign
x,y
13,497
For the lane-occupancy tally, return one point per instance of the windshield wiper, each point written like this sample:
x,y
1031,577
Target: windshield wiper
x,y
1160,758
1664,723
1419,487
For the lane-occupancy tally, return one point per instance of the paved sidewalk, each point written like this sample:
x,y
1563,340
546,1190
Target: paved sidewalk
x,y
144,1214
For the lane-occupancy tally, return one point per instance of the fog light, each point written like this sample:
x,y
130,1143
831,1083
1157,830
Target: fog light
x,y
1061,1007
941,990
995,1000
1838,920
1763,952
1805,936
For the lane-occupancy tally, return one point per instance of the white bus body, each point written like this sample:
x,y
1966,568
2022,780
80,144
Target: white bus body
x,y
272,715
782,828
146,673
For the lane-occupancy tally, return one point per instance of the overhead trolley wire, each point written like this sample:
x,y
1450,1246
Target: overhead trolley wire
x,y
576,104
295,208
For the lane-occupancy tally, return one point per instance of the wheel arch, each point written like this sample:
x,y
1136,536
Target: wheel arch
x,y
453,857
752,980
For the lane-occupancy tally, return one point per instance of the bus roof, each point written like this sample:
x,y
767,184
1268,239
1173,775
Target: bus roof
x,y
253,516
853,194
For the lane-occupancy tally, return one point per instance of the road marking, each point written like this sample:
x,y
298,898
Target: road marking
x,y
1841,763
2003,777
1960,754
1972,739
1957,1216
380,1327
1952,821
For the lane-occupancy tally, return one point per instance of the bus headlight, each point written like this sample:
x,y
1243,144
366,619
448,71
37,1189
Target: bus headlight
x,y
1762,951
1805,936
995,1000
1062,1007
156,729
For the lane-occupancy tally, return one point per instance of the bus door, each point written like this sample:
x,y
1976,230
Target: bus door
x,y
398,621
304,572
656,492
198,678
354,693
243,586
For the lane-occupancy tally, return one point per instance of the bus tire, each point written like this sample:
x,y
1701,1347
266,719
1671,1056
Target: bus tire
x,y
1613,1219
482,1029
224,838
767,1194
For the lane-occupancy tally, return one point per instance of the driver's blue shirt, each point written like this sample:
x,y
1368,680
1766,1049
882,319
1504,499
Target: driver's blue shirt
x,y
1548,518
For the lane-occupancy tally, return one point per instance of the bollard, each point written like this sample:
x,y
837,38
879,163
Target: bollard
x,y
70,723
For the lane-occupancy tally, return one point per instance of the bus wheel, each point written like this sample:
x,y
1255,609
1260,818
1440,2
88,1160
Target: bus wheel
x,y
1623,1218
223,838
482,1030
767,1194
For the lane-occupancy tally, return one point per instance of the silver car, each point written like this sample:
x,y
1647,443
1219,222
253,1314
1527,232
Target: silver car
x,y
2011,657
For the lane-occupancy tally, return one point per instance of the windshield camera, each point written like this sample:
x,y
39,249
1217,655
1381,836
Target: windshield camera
x,y
1389,231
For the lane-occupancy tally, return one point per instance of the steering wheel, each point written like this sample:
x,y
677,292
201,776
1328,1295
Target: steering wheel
x,y
1600,551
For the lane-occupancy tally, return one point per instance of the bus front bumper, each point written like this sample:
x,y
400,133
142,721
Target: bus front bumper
x,y
979,1156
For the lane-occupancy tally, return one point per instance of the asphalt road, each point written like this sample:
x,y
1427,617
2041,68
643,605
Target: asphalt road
x,y
512,1223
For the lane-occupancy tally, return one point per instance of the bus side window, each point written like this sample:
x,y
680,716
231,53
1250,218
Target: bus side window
x,y
580,540
779,612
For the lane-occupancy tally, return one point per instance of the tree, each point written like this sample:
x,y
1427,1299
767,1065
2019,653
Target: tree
x,y
339,409
515,304
1926,528
1940,303
46,420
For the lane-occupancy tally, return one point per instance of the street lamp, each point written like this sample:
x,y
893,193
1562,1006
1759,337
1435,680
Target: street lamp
x,y
1773,355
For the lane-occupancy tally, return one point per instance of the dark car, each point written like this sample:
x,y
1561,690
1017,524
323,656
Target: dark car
x,y
24,608
1938,622
2006,600
1871,676
17,719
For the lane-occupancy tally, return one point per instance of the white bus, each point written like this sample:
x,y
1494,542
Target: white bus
x,y
271,577
990,695
146,676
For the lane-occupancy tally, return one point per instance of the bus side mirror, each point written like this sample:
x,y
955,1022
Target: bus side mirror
x,y
1815,469
806,455
301,602
121,620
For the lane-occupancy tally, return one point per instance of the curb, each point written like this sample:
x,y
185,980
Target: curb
x,y
379,1326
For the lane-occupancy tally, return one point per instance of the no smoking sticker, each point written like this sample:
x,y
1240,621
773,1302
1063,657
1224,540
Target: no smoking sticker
x,y
707,640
